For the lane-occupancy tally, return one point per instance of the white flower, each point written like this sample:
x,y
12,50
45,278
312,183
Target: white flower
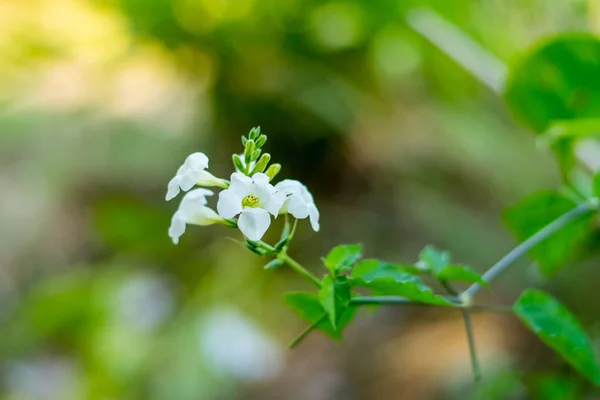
x,y
193,210
299,202
253,198
191,173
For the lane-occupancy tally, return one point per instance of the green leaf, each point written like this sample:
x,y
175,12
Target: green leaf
x,y
557,80
559,329
308,307
438,262
564,135
461,273
387,280
537,211
373,268
597,185
343,257
335,297
435,261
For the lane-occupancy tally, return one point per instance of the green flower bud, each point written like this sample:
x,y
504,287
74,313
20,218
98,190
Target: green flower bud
x,y
254,133
250,147
274,264
260,142
238,163
255,155
244,140
273,170
261,165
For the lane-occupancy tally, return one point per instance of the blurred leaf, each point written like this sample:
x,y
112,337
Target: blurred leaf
x,y
373,268
556,80
550,386
434,259
309,308
537,211
461,273
506,385
342,257
597,185
559,329
398,283
335,297
438,262
562,136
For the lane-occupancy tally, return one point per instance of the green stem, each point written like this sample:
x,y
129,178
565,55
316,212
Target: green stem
x,y
401,301
523,248
471,339
306,331
299,268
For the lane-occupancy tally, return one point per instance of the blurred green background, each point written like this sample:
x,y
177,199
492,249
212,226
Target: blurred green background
x,y
101,101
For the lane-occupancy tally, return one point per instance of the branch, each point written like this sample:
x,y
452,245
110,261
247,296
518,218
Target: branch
x,y
530,243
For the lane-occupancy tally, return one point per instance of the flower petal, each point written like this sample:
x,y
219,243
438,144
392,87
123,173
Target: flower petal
x,y
314,218
192,201
173,188
260,178
177,227
240,184
298,207
197,161
254,222
275,202
229,204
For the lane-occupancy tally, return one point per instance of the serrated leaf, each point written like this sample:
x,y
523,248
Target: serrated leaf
x,y
385,280
535,212
343,257
559,329
309,308
434,259
461,273
335,297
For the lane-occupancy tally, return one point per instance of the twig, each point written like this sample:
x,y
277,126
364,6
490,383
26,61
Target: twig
x,y
530,243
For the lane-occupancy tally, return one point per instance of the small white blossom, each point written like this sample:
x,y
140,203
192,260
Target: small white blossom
x,y
299,202
253,198
192,172
193,210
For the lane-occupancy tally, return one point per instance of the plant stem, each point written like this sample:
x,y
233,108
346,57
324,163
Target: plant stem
x,y
530,243
401,301
306,331
471,339
299,268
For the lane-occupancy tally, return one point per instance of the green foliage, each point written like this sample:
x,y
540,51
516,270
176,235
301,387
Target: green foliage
x,y
597,185
557,81
309,307
537,211
388,280
343,257
461,273
438,263
559,329
435,260
334,296
373,268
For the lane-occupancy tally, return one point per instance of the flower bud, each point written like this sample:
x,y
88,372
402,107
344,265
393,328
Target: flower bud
x,y
273,170
260,142
274,264
238,163
262,163
244,140
255,155
250,147
254,133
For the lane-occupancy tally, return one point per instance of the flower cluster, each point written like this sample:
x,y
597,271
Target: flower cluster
x,y
248,200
